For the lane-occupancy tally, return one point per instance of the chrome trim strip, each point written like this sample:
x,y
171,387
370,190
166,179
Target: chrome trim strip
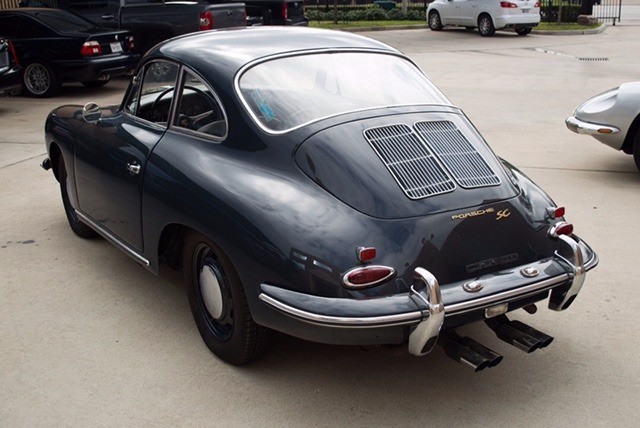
x,y
581,127
111,238
346,322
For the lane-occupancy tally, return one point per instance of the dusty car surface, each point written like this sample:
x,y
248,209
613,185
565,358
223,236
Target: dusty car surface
x,y
485,15
613,118
297,196
55,46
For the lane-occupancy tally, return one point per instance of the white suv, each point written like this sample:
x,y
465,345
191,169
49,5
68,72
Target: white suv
x,y
486,15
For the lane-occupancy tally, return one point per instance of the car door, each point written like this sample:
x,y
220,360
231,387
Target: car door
x,y
451,15
469,10
102,12
111,154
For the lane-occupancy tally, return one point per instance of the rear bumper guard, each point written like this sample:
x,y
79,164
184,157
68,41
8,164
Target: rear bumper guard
x,y
424,309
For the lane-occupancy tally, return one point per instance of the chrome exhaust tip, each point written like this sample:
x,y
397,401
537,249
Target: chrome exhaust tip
x,y
466,351
503,328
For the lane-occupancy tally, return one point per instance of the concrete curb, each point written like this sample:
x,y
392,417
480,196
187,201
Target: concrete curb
x,y
599,29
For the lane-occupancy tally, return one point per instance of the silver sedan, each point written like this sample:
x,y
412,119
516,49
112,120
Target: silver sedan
x,y
613,118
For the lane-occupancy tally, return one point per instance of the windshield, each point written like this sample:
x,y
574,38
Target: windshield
x,y
285,93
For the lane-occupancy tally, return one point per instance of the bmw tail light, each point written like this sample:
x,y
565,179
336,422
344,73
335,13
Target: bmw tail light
x,y
561,228
284,10
12,49
132,44
206,21
367,276
91,48
508,5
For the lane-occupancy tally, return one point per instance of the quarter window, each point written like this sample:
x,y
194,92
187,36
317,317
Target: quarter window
x,y
199,109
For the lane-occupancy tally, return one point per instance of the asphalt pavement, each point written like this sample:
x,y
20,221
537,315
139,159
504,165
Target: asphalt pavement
x,y
90,338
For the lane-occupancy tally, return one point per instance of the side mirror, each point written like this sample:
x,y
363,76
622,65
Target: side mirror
x,y
91,113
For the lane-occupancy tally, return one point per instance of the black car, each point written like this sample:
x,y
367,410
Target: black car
x,y
56,46
297,196
9,69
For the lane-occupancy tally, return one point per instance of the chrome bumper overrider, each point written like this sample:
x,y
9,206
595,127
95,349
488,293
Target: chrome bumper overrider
x,y
581,127
425,308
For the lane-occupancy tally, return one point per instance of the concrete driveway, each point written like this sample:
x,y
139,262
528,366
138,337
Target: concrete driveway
x,y
88,337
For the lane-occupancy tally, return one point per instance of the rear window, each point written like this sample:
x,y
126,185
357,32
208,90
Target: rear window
x,y
64,22
285,93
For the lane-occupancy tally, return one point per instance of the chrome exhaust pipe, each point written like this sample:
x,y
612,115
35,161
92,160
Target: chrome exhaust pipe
x,y
467,351
505,331
545,339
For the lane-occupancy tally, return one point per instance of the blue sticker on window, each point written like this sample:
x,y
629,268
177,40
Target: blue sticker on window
x,y
263,106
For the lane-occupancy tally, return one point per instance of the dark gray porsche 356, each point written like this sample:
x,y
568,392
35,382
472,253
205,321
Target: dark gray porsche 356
x,y
318,184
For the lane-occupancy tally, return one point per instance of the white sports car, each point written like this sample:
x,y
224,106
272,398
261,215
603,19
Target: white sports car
x,y
613,118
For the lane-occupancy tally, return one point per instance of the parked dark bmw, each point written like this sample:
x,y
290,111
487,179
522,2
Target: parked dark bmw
x,y
9,69
55,46
298,196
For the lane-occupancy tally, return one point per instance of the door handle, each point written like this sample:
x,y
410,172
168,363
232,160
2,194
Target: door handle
x,y
134,168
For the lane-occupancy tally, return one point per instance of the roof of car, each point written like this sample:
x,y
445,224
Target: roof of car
x,y
232,48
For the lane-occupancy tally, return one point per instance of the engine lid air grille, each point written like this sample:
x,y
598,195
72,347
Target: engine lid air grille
x,y
457,154
410,161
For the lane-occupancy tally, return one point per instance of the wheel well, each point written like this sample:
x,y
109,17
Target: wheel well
x,y
485,14
54,156
627,146
171,243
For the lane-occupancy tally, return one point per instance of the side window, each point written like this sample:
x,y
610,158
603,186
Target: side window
x,y
152,101
199,109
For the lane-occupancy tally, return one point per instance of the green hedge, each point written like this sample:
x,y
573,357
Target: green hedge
x,y
371,13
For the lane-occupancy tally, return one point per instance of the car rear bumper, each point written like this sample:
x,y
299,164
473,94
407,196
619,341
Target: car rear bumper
x,y
90,69
523,20
429,307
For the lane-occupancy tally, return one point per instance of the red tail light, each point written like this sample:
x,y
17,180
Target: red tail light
x,y
206,21
284,10
508,5
132,44
90,48
367,276
561,228
537,4
12,49
555,212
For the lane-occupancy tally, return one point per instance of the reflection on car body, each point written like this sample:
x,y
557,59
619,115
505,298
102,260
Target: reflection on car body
x,y
341,211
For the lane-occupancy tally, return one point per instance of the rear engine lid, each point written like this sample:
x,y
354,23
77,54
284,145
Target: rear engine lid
x,y
406,165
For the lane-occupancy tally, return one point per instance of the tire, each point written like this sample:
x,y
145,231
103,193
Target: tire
x,y
435,23
219,303
485,26
636,149
522,31
78,227
95,83
38,80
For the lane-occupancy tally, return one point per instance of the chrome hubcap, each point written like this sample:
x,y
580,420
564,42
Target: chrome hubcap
x,y
211,292
37,78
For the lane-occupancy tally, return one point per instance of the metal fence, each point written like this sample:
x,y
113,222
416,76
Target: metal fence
x,y
568,10
606,10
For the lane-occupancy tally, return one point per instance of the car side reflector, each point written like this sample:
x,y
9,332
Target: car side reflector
x,y
91,48
556,212
367,276
605,131
561,228
366,254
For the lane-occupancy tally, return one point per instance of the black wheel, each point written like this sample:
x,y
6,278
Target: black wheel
x,y
38,80
219,304
434,21
485,26
95,83
636,149
522,31
78,227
